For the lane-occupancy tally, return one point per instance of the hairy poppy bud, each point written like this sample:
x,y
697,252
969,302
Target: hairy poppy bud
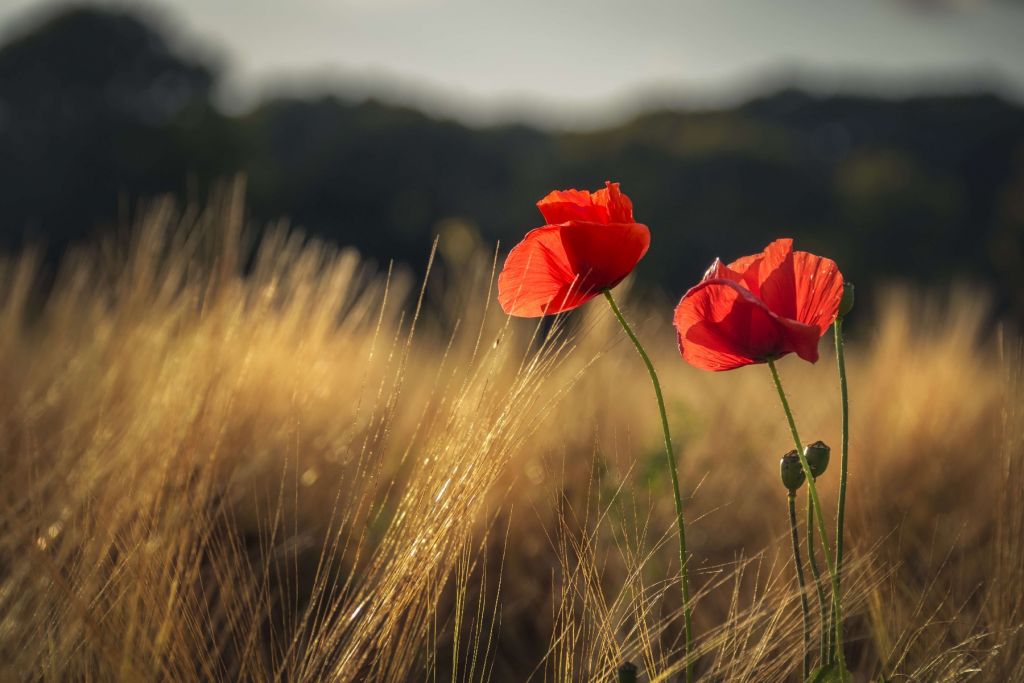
x,y
846,303
817,455
627,672
791,470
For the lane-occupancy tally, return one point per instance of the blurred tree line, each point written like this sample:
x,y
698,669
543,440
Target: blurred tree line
x,y
98,109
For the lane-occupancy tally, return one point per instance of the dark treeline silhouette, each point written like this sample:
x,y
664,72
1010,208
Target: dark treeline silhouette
x,y
98,108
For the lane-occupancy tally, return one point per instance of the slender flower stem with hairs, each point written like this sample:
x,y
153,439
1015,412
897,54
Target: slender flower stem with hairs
x,y
825,639
680,525
795,533
812,491
837,329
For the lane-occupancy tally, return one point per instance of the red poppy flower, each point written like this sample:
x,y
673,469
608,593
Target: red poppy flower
x,y
758,308
590,243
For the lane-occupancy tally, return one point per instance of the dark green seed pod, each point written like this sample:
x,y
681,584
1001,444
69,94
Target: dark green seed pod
x,y
627,672
846,303
791,470
817,455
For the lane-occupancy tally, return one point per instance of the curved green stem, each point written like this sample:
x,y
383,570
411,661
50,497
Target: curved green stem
x,y
837,329
816,574
812,490
795,533
681,527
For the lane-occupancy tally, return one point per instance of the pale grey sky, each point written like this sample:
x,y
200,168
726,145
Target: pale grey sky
x,y
578,62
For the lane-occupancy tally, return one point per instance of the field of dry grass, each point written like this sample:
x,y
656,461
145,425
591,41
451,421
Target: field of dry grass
x,y
282,467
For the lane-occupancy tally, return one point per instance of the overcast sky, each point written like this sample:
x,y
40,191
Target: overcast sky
x,y
588,61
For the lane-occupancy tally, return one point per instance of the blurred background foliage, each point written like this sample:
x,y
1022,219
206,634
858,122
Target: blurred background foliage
x,y
98,110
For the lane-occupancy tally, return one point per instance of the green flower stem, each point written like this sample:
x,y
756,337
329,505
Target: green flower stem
x,y
837,329
812,490
795,533
675,482
822,609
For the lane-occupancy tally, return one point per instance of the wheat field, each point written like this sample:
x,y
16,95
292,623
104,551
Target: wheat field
x,y
236,459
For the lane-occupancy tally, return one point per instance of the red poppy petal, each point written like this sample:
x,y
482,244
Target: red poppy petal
x,y
719,271
801,339
744,263
747,270
567,298
772,279
617,204
535,272
604,254
562,206
538,278
799,285
721,326
819,289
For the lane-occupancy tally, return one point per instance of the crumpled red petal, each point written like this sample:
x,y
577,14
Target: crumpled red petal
x,y
562,206
618,206
721,326
796,284
607,205
819,291
720,271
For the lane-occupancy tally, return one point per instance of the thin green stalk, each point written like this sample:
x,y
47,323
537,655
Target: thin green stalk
x,y
812,490
837,329
678,499
803,586
822,609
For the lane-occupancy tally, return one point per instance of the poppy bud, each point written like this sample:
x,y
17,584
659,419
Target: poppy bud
x,y
627,672
846,303
791,470
817,455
